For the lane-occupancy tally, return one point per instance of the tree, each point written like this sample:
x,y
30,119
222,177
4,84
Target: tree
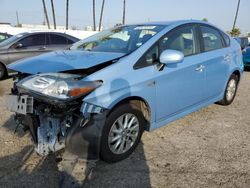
x,y
53,13
124,12
205,19
100,22
235,32
67,14
94,24
46,14
236,15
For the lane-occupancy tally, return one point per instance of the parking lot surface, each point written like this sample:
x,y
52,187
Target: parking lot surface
x,y
209,148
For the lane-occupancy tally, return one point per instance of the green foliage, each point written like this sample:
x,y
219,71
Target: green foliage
x,y
235,32
205,19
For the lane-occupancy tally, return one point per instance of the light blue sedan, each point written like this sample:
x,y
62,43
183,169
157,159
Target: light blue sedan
x,y
97,98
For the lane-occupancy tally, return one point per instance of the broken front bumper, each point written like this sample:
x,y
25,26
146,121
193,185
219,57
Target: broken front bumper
x,y
85,141
20,104
79,131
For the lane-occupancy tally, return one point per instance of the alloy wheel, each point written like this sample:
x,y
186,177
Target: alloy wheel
x,y
231,89
123,133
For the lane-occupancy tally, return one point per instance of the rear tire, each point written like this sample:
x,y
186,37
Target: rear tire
x,y
230,91
120,139
3,71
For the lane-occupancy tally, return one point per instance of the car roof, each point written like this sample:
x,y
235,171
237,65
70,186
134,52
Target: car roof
x,y
43,32
168,23
24,34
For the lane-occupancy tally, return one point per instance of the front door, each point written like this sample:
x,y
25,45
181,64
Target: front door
x,y
180,86
32,45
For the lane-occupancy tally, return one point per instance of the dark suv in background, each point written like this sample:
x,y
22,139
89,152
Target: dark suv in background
x,y
31,44
243,42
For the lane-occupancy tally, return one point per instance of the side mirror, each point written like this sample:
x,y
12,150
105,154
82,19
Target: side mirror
x,y
18,45
171,57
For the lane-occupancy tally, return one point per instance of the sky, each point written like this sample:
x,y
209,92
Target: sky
x,y
218,12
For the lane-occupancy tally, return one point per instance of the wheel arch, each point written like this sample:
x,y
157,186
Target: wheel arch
x,y
237,73
4,66
141,103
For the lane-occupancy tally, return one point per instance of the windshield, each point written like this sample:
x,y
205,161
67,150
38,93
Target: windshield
x,y
11,39
123,39
4,36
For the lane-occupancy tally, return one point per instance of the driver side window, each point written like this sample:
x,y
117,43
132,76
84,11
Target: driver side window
x,y
182,39
33,40
151,57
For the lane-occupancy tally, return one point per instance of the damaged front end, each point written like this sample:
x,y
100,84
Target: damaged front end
x,y
51,106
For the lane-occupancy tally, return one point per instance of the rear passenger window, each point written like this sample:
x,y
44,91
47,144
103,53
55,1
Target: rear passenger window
x,y
211,38
226,39
182,39
57,39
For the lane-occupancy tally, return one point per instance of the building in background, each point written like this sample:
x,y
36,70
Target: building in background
x,y
7,28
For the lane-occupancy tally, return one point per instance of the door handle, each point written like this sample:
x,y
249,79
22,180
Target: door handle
x,y
200,68
42,48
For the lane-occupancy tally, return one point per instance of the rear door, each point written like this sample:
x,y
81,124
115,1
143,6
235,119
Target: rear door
x,y
58,42
32,45
216,59
180,86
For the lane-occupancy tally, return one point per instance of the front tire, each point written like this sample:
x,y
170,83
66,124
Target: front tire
x,y
122,132
230,91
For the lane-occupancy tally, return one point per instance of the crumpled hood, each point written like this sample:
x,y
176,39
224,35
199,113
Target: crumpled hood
x,y
60,61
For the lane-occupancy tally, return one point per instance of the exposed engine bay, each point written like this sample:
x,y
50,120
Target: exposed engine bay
x,y
56,116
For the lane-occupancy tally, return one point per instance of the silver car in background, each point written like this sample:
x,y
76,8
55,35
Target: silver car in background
x,y
31,44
